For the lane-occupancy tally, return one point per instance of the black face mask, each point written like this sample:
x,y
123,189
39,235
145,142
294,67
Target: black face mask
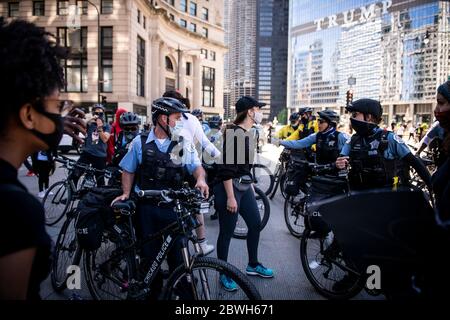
x,y
130,135
363,128
100,115
51,139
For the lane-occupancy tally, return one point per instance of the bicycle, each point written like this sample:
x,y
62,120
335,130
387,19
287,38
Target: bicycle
x,y
115,271
62,195
279,177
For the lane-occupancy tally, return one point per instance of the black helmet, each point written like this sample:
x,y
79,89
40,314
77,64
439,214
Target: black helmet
x,y
330,116
215,122
294,116
366,106
98,106
129,119
197,112
307,109
166,106
301,111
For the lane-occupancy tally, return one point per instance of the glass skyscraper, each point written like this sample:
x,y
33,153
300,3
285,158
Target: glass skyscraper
x,y
395,51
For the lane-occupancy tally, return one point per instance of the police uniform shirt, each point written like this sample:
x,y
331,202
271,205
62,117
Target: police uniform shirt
x,y
133,158
311,139
396,149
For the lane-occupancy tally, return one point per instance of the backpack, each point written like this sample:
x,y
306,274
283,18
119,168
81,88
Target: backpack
x,y
94,215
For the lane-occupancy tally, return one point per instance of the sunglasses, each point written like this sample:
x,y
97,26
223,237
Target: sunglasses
x,y
132,129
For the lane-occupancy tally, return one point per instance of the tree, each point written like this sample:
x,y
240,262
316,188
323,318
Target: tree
x,y
282,116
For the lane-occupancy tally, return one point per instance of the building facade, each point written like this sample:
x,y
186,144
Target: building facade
x,y
271,54
395,51
146,48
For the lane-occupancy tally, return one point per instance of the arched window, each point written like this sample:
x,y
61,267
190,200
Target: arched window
x,y
169,64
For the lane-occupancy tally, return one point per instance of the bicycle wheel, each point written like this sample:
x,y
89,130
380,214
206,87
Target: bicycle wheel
x,y
283,182
241,230
293,209
56,202
66,252
264,178
202,282
107,272
325,268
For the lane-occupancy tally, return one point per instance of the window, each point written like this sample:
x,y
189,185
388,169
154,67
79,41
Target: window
x,y
82,7
212,55
172,17
188,68
75,66
193,27
145,22
62,8
208,86
140,67
107,7
204,53
205,14
169,64
187,93
170,84
38,8
183,5
183,23
139,16
171,2
193,9
205,32
106,56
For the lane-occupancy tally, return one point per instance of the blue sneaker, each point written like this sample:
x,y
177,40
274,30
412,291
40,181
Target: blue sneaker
x,y
227,283
259,270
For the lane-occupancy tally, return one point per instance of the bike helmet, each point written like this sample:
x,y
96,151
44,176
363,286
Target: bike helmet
x,y
215,122
330,116
366,106
98,106
129,119
307,109
294,116
166,106
197,112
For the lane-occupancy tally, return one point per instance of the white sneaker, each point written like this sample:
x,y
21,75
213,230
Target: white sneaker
x,y
41,194
206,248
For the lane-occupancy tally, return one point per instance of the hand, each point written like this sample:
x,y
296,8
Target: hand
x,y
275,142
342,162
123,197
232,205
203,187
99,123
74,124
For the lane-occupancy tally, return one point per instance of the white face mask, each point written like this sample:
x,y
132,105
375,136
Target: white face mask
x,y
258,117
177,129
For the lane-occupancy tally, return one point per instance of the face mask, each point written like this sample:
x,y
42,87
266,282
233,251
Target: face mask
x,y
51,139
99,115
130,135
444,119
294,126
363,128
177,129
258,117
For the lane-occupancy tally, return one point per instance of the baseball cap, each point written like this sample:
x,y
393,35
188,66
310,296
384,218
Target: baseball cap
x,y
246,102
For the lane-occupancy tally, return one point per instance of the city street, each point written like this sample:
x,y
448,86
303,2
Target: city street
x,y
278,249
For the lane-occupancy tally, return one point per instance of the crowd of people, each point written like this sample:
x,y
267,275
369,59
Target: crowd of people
x,y
34,120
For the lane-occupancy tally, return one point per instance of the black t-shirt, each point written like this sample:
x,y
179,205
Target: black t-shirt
x,y
22,226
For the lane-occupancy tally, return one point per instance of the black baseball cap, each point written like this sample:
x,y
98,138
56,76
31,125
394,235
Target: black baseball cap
x,y
246,102
367,106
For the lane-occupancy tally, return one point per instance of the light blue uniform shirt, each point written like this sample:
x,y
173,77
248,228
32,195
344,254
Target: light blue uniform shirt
x,y
205,127
133,158
396,149
312,139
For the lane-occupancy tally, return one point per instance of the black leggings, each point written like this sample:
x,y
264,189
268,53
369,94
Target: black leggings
x,y
248,209
43,169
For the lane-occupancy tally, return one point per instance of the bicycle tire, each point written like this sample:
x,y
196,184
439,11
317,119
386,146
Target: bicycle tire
x,y
96,274
59,274
283,182
221,267
327,293
269,188
49,219
241,233
298,230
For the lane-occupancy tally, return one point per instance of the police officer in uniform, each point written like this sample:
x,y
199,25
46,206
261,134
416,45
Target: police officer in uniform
x,y
378,158
129,123
152,163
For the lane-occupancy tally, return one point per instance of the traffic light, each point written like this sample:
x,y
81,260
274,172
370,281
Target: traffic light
x,y
349,97
104,100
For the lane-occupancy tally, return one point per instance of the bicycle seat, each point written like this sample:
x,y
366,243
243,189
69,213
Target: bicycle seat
x,y
127,205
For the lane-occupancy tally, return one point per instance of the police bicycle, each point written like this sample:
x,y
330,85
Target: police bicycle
x,y
115,271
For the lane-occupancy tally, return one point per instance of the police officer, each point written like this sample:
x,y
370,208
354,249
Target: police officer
x,y
151,164
287,130
129,123
378,158
329,141
199,114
